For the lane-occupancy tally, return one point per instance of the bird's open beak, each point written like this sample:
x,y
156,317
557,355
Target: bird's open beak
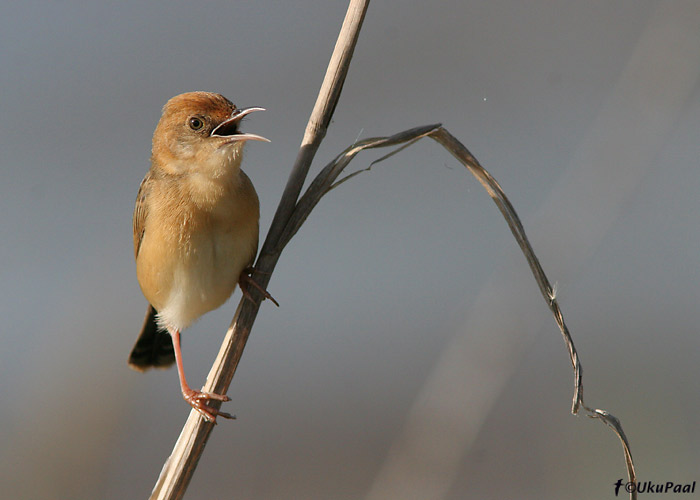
x,y
229,128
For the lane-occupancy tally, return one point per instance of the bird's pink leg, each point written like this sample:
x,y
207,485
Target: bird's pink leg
x,y
196,399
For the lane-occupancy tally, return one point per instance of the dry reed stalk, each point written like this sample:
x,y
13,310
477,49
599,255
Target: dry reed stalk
x,y
291,214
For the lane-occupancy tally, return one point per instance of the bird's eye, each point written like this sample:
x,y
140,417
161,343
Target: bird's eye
x,y
196,123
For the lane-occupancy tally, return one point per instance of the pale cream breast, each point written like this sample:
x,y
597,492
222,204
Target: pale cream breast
x,y
196,243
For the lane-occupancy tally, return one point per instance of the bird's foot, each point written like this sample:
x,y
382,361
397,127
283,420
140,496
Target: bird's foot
x,y
198,399
246,279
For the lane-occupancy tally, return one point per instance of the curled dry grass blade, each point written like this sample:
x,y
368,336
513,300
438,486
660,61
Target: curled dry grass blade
x,y
326,180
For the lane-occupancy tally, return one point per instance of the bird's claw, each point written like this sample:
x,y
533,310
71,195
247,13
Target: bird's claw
x,y
247,279
198,399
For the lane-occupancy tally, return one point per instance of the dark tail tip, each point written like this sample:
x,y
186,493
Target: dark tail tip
x,y
154,347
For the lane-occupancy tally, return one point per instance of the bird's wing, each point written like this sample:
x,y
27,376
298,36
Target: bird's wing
x,y
141,211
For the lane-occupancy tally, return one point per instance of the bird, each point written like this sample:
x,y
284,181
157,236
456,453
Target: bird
x,y
196,224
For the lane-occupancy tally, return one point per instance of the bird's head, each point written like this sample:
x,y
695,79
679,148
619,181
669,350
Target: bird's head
x,y
200,132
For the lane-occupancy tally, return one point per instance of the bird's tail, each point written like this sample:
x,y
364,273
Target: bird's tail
x,y
154,347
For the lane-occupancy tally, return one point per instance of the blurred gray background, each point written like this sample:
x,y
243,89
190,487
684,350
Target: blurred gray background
x,y
412,355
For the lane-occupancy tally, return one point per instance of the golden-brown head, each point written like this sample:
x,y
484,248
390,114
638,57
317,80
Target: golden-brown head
x,y
200,129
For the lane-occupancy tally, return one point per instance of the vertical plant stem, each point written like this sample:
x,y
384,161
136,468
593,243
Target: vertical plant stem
x,y
180,466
